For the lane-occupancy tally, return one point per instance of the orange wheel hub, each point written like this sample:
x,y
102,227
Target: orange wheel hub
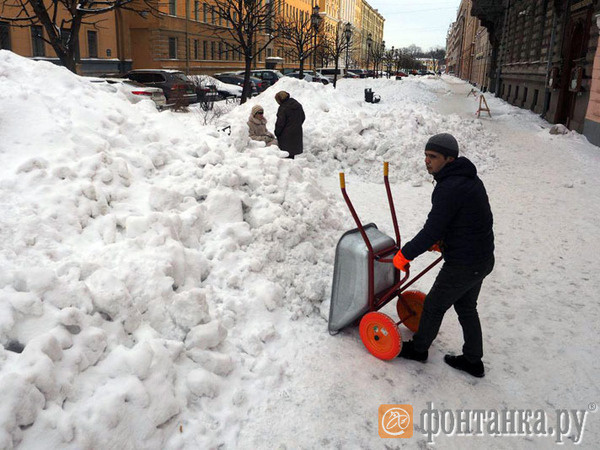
x,y
410,307
380,335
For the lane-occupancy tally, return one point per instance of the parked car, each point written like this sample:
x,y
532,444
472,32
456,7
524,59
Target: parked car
x,y
329,73
351,74
225,90
401,73
310,76
134,91
268,75
174,83
238,80
362,73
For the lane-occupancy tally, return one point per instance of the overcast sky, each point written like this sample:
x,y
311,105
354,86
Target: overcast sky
x,y
423,23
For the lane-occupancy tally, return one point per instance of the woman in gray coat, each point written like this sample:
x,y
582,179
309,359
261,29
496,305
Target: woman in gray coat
x,y
288,128
257,126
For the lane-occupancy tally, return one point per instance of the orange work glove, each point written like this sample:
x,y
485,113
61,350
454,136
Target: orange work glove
x,y
436,247
400,262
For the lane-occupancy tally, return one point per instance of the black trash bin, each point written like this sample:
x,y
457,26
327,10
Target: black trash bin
x,y
369,95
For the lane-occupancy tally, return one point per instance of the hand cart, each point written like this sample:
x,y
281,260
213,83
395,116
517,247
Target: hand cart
x,y
365,280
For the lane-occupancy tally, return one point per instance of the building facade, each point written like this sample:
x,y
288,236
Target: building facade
x,y
189,35
542,56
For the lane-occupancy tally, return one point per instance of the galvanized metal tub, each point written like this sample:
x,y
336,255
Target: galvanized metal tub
x,y
350,289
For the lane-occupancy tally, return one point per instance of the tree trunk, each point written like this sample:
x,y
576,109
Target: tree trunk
x,y
246,90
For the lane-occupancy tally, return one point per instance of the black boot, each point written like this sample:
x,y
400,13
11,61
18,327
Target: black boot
x,y
460,362
408,352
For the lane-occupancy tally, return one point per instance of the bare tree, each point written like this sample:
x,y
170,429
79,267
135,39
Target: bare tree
x,y
299,35
335,46
437,54
377,55
250,24
62,19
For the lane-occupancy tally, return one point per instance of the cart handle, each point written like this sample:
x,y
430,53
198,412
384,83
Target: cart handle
x,y
359,225
386,181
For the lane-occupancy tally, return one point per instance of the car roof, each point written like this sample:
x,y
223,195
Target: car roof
x,y
156,70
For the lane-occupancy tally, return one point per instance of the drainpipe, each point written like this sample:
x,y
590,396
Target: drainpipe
x,y
551,53
502,53
187,37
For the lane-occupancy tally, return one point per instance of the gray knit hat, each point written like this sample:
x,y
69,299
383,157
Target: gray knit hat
x,y
443,143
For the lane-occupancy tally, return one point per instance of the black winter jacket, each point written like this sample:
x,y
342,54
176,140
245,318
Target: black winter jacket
x,y
288,128
460,216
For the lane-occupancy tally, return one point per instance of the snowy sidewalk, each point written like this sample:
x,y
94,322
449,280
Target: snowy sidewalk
x,y
539,307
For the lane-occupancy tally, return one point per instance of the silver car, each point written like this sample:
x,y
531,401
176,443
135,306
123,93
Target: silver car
x,y
134,91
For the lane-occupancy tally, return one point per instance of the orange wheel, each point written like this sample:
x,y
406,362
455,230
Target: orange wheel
x,y
380,335
410,307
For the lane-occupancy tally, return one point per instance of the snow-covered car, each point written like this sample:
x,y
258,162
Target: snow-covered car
x,y
309,76
134,91
231,78
225,90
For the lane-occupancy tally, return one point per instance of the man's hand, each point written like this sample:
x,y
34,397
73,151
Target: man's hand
x,y
400,262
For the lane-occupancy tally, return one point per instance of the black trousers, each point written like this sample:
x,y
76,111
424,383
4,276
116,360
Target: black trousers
x,y
456,285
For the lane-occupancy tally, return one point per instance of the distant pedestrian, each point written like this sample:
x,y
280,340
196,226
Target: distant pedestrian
x,y
288,129
460,226
257,126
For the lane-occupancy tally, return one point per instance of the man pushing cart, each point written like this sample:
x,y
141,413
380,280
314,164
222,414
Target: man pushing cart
x,y
371,269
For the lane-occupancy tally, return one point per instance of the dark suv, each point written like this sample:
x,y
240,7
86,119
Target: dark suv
x,y
175,84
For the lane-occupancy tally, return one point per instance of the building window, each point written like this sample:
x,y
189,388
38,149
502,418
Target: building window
x,y
37,42
4,36
220,49
196,10
173,7
204,50
205,12
172,48
212,50
213,15
92,38
196,49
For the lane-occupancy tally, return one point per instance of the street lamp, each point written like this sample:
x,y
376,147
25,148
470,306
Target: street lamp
x,y
315,21
348,33
369,43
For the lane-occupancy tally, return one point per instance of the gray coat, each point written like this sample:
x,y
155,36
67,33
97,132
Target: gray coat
x,y
288,128
257,129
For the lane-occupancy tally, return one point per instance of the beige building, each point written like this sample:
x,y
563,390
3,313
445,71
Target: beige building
x,y
371,26
468,49
189,35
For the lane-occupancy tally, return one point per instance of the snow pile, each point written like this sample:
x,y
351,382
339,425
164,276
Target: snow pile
x,y
394,130
145,262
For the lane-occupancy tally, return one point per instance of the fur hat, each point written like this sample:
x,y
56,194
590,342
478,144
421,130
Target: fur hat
x,y
256,108
443,143
281,96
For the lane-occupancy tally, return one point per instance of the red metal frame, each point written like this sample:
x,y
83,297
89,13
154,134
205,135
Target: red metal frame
x,y
380,299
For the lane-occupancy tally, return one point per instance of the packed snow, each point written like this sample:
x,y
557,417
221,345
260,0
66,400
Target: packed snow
x,y
165,280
